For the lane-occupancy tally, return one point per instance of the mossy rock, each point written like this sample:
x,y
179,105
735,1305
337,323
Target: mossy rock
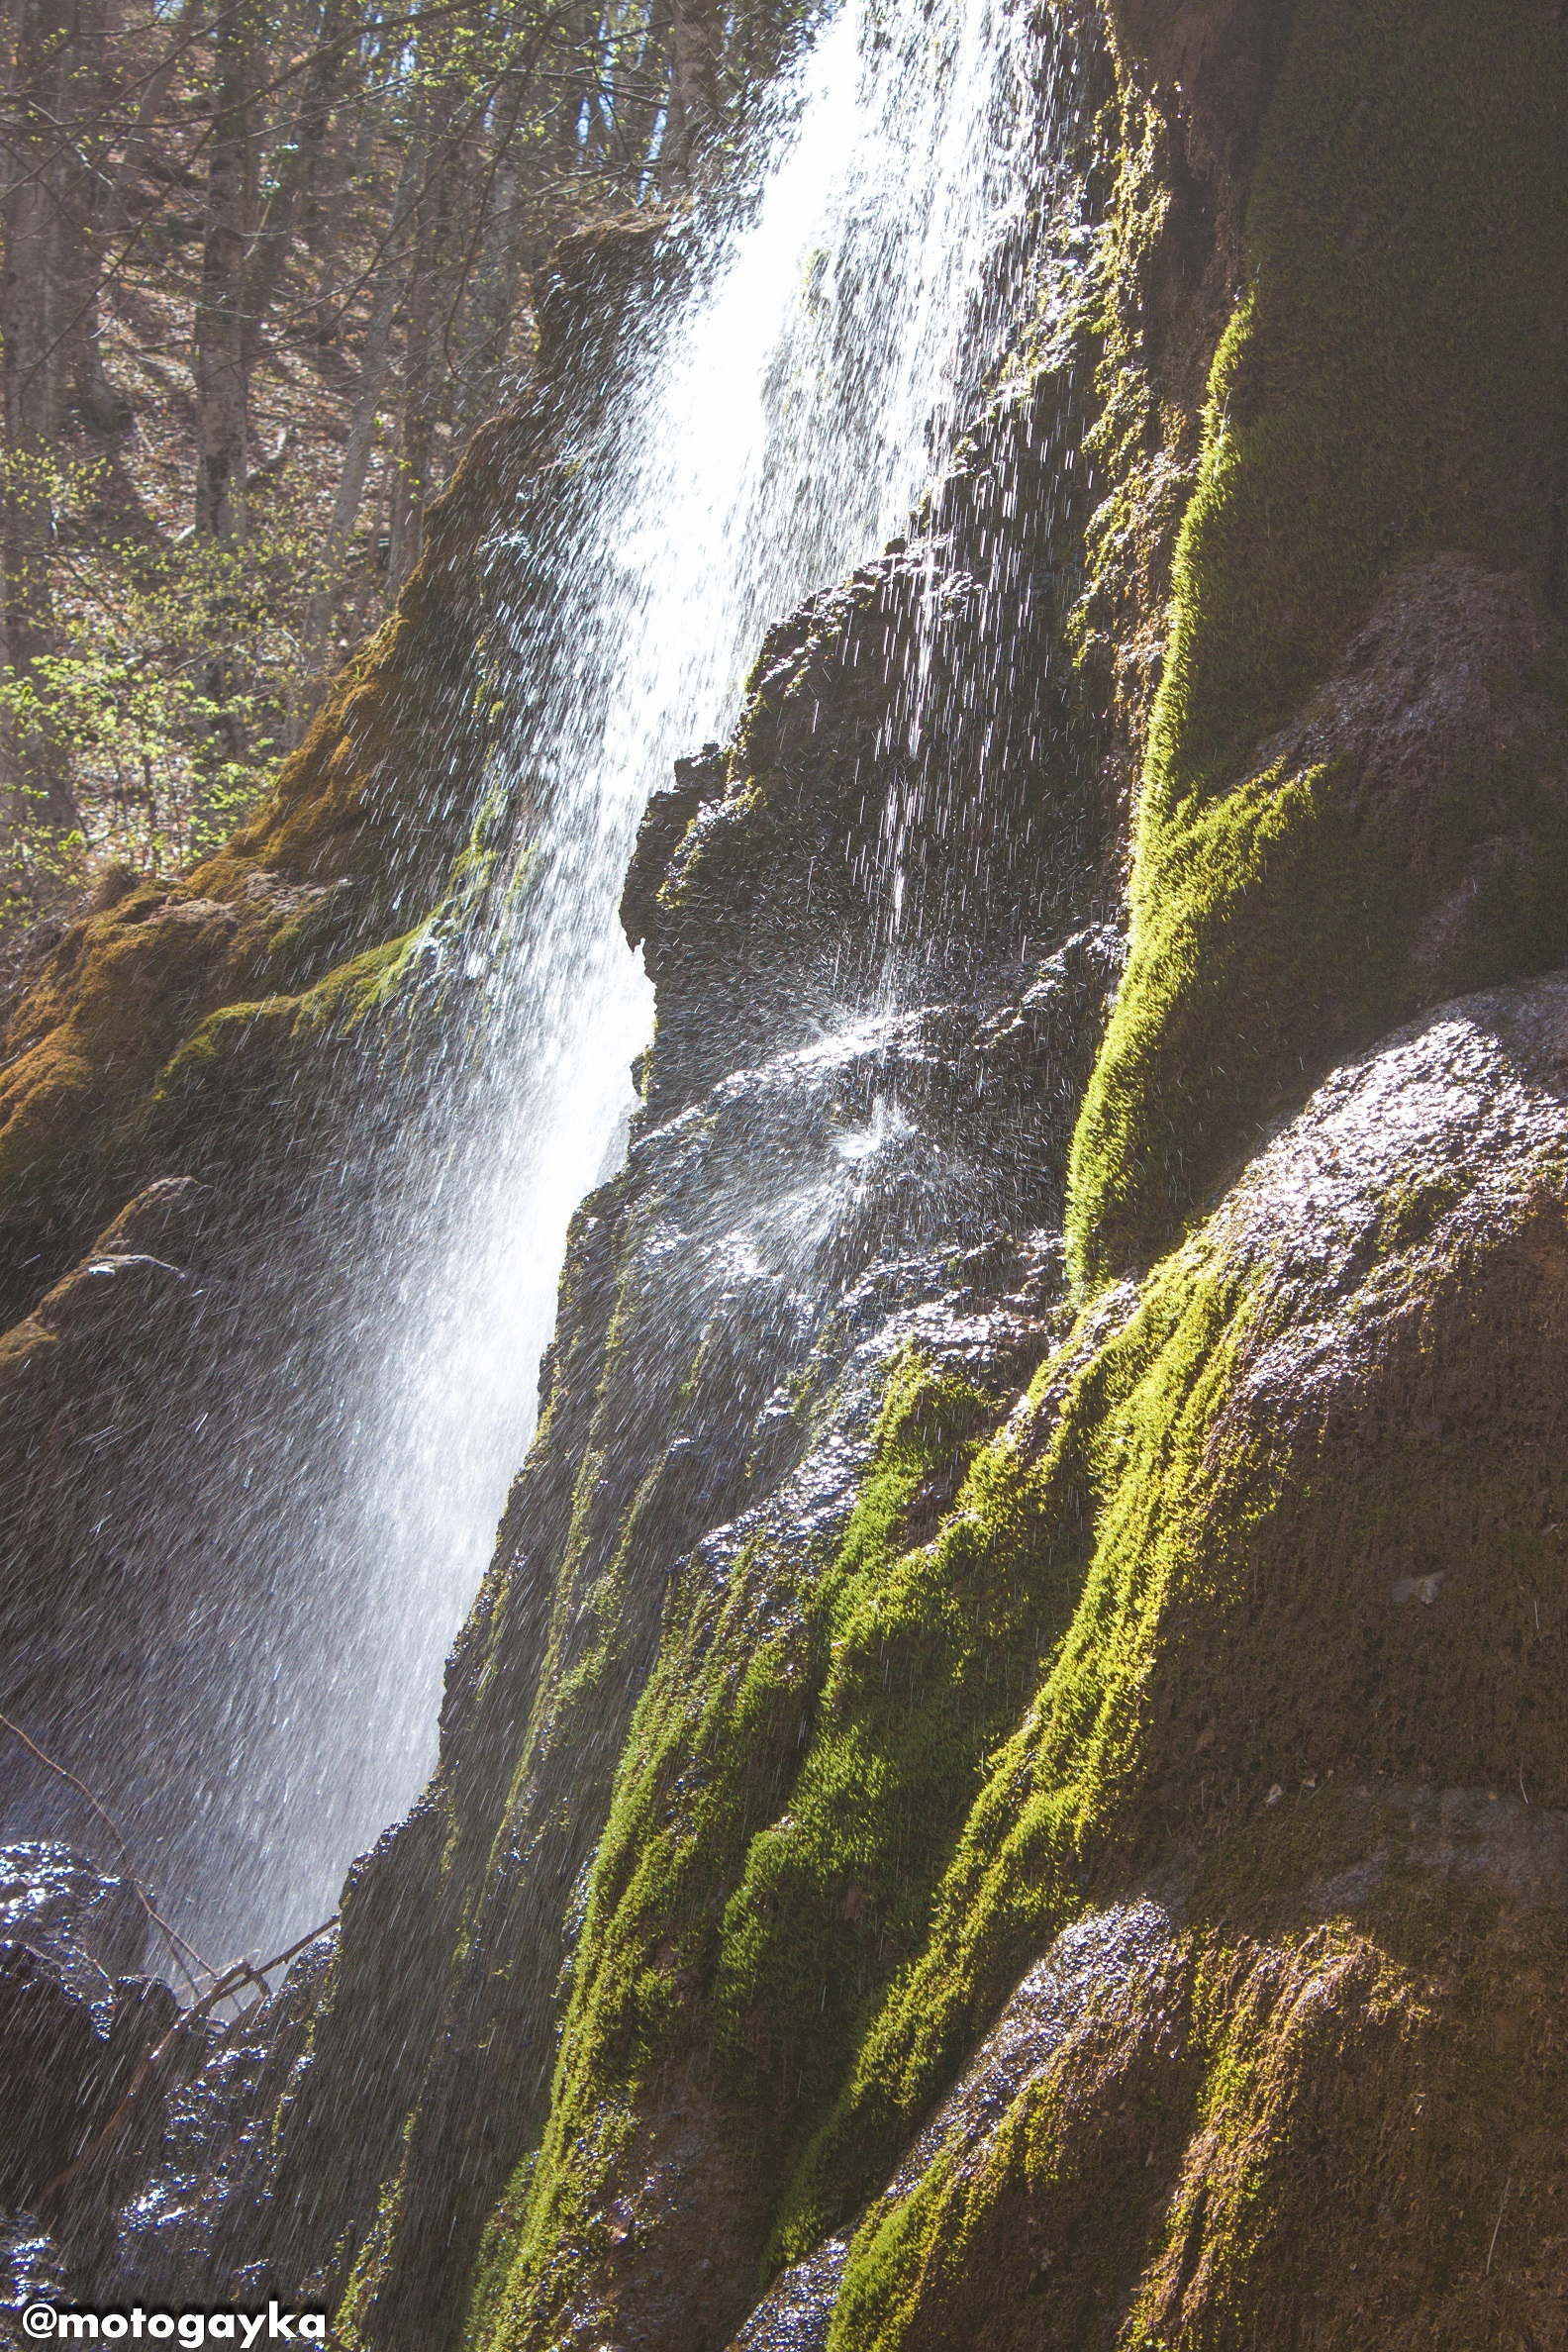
x,y
1374,551
300,922
1325,1455
1349,2133
1278,1527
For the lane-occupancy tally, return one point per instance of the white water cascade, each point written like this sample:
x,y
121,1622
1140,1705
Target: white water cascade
x,y
789,410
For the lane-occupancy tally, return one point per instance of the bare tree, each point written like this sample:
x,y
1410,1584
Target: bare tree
x,y
38,64
221,339
371,192
697,29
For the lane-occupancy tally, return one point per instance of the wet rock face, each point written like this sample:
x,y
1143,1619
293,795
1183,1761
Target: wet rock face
x,y
731,1306
1166,2135
1176,2121
1083,1971
1354,784
50,2049
77,2111
912,810
1208,72
852,1147
135,2137
94,1928
1435,758
1412,1339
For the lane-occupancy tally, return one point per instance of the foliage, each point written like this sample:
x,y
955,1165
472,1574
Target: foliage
x,y
272,270
169,742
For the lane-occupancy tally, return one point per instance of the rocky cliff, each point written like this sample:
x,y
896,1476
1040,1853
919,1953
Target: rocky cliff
x,y
1008,1784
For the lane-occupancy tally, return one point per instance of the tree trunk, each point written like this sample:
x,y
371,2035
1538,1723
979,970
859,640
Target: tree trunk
x,y
138,145
424,373
695,48
36,57
498,280
222,372
357,453
78,219
361,444
637,111
299,167
503,259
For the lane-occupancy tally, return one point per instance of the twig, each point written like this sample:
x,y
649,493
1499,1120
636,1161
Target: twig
x,y
1498,2223
177,1945
240,1972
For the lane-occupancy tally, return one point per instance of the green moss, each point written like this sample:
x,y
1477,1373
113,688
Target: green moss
x,y
1139,445
164,1024
370,2262
497,2251
1217,2130
1392,388
1116,1486
931,1652
795,1774
1251,1625
241,1055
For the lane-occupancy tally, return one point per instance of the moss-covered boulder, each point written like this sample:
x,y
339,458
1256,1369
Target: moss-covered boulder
x,y
1190,2138
1322,1581
1253,1597
175,1027
1355,798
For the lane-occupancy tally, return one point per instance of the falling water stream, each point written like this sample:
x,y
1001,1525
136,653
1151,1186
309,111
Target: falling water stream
x,y
786,411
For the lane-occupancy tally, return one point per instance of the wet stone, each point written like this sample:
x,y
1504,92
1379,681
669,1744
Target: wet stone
x,y
797,2311
92,1926
1083,1962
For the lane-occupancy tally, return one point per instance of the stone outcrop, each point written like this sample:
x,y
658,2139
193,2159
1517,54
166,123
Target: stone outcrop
x,y
80,2109
815,1198
175,1028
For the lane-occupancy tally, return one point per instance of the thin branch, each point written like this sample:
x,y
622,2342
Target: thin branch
x,y
1498,2223
443,156
171,57
176,1942
240,1973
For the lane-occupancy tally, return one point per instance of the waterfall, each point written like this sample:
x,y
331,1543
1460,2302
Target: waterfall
x,y
788,407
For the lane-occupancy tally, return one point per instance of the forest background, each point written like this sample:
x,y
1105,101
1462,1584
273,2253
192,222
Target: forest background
x,y
266,265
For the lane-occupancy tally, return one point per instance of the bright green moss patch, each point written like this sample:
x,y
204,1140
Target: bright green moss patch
x,y
1394,389
795,1774
370,2262
1119,1482
497,2248
1300,1593
931,1653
